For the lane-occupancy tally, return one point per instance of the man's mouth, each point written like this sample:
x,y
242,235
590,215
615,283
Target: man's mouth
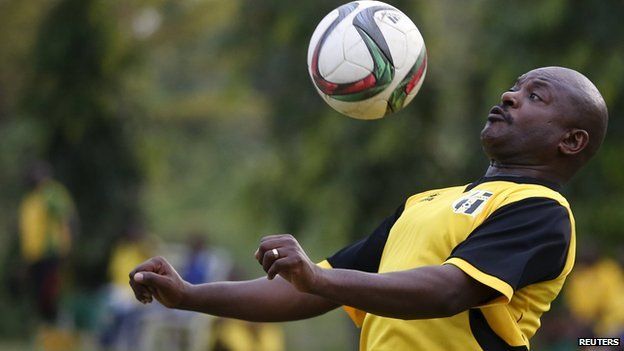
x,y
497,114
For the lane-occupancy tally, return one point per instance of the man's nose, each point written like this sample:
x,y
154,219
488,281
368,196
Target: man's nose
x,y
510,98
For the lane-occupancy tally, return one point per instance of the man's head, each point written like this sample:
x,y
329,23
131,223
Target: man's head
x,y
553,119
37,173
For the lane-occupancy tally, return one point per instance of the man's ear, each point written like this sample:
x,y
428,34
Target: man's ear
x,y
574,141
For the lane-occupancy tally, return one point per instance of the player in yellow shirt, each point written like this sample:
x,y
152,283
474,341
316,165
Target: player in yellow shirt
x,y
469,267
593,295
47,222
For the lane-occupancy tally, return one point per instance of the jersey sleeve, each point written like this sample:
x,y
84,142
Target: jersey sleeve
x,y
521,243
365,254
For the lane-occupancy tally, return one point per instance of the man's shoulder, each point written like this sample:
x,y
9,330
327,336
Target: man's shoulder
x,y
521,192
508,190
492,194
432,194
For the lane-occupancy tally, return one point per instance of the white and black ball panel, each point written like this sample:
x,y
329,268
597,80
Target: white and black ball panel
x,y
356,51
396,44
347,72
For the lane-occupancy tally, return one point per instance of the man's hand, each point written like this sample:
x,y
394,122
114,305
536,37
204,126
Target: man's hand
x,y
157,278
282,254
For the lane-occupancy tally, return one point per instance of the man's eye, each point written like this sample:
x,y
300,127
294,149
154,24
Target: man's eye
x,y
534,96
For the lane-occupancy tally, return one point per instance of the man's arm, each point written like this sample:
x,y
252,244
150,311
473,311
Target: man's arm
x,y
304,290
259,300
425,292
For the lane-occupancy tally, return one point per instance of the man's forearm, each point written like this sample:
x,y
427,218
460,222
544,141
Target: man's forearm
x,y
259,300
427,292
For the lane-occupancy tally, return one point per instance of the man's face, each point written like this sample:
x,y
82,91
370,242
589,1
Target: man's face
x,y
526,127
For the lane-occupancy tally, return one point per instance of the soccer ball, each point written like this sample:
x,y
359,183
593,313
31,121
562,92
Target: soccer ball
x,y
367,59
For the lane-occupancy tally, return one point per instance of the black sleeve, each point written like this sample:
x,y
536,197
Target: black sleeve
x,y
521,243
365,255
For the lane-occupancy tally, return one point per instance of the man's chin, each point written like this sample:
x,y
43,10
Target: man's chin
x,y
491,140
493,130
487,134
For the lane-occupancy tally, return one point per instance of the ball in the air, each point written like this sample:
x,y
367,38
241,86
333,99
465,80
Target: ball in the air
x,y
367,59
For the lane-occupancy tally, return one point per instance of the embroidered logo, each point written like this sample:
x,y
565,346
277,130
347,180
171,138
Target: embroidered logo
x,y
429,198
472,203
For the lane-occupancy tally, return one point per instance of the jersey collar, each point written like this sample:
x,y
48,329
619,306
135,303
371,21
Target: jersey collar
x,y
513,179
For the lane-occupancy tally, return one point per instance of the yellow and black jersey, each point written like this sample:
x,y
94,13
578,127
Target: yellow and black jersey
x,y
513,234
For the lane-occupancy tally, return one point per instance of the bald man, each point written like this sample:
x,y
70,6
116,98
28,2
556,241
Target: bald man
x,y
469,267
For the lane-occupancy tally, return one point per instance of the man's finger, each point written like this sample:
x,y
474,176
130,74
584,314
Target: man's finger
x,y
151,280
270,256
275,236
141,292
155,264
147,266
271,242
278,266
263,248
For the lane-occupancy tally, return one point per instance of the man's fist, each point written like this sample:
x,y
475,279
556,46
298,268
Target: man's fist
x,y
282,254
156,278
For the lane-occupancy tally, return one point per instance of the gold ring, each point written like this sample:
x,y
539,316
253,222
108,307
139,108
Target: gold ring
x,y
275,253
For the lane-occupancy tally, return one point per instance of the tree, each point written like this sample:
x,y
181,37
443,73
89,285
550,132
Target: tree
x,y
76,96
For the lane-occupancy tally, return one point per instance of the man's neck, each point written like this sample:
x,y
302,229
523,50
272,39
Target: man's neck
x,y
497,169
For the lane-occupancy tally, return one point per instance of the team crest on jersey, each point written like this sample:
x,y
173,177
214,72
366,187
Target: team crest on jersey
x,y
472,203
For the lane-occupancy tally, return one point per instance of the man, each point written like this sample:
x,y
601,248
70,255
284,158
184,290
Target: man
x,y
47,221
463,268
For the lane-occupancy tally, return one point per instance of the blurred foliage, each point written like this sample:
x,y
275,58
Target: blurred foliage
x,y
200,115
75,97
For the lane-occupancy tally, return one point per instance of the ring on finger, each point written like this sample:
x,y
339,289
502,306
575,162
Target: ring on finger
x,y
275,253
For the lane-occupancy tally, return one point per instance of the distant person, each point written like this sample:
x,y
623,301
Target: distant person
x,y
133,246
202,262
47,222
236,335
470,267
594,295
120,328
